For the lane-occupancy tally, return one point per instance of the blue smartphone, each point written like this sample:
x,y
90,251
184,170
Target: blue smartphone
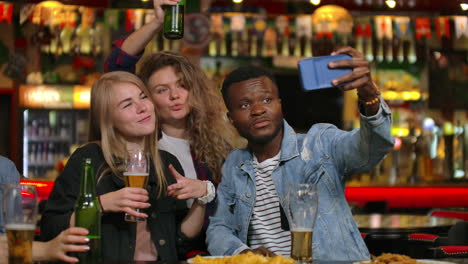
x,y
315,73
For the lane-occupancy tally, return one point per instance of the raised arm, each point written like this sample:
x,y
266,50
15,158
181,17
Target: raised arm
x,y
128,50
362,149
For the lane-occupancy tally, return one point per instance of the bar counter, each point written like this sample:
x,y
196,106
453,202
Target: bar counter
x,y
395,196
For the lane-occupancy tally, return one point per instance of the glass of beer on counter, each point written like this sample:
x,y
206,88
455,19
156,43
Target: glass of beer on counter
x,y
136,175
20,203
301,204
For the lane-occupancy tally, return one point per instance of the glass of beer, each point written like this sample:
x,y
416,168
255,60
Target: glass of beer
x,y
301,204
136,175
20,203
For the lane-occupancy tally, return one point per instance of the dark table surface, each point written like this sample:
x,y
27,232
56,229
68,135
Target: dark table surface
x,y
401,223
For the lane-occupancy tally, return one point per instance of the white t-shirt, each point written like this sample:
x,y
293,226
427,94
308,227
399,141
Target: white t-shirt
x,y
180,148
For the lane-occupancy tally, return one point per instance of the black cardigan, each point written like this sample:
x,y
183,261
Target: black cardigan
x,y
117,235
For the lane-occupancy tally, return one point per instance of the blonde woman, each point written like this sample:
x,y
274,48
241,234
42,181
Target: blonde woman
x,y
192,115
122,118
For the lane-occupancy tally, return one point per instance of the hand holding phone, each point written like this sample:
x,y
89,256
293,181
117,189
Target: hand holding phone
x,y
315,73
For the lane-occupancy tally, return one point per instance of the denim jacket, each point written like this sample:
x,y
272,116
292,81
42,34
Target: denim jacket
x,y
325,155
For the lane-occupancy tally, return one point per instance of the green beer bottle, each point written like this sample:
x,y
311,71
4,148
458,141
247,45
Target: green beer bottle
x,y
88,214
174,20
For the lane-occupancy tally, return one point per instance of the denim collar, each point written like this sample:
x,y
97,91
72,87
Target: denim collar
x,y
289,148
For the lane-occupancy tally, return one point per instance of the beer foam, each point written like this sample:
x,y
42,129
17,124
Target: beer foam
x,y
20,227
302,230
143,174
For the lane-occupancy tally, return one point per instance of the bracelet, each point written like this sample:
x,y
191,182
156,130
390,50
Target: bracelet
x,y
371,102
210,194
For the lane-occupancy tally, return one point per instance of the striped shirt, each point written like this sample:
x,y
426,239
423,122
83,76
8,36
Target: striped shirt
x,y
265,224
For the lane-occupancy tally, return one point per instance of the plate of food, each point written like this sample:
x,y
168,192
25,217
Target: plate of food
x,y
388,258
247,258
197,259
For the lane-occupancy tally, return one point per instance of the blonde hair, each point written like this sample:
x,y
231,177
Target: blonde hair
x,y
211,135
102,129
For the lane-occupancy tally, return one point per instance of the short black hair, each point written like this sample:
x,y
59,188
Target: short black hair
x,y
244,73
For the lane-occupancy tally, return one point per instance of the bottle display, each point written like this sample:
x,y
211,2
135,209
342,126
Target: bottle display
x,y
48,137
88,213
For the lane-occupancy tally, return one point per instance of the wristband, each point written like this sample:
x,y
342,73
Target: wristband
x,y
210,194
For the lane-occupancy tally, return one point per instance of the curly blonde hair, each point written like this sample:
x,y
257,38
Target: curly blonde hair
x,y
211,135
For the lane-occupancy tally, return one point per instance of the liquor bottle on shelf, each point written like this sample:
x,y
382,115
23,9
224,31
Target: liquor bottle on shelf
x,y
285,46
254,46
297,47
458,149
223,46
88,214
244,42
400,46
213,45
45,152
412,51
308,47
51,153
32,152
234,44
39,153
380,50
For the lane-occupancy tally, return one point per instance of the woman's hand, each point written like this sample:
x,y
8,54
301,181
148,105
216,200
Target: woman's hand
x,y
185,188
158,9
126,200
72,239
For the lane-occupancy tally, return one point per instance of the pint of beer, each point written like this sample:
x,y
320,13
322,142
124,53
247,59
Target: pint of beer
x,y
300,206
301,244
20,238
135,179
20,222
136,175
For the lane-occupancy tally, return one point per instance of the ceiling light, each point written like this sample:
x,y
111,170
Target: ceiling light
x,y
237,1
464,6
391,3
315,2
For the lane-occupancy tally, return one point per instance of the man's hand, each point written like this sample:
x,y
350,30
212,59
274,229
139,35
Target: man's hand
x,y
185,188
126,200
360,78
259,251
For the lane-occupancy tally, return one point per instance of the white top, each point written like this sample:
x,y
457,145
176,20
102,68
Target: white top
x,y
265,224
180,148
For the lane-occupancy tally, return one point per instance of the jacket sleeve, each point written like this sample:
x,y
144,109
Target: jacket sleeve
x,y
61,202
362,149
119,60
221,235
